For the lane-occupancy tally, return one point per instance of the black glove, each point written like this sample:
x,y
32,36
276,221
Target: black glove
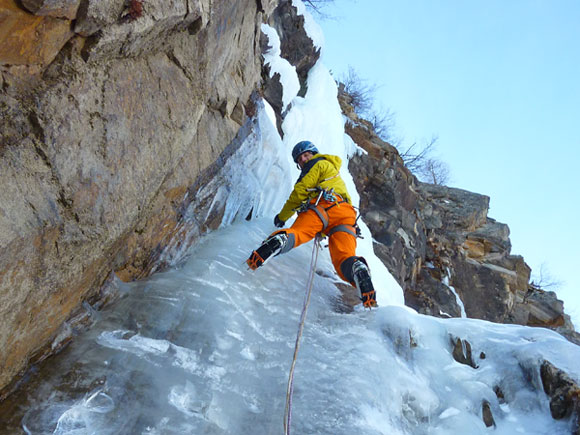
x,y
279,223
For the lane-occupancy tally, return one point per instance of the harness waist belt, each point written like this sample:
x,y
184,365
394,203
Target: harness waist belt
x,y
322,213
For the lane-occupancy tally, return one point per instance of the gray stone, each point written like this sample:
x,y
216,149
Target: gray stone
x,y
485,292
563,392
388,202
295,44
487,415
296,47
94,15
462,209
115,33
101,155
439,301
53,8
462,352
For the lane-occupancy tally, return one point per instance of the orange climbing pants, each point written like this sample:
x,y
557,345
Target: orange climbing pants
x,y
336,220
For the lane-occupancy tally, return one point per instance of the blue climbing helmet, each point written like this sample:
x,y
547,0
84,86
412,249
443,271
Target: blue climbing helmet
x,y
301,148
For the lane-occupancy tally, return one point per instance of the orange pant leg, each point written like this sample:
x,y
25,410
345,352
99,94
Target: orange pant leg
x,y
342,246
304,229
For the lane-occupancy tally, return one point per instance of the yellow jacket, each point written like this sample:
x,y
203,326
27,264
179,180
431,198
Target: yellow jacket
x,y
320,171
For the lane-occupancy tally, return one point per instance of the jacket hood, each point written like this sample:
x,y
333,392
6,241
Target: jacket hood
x,y
335,160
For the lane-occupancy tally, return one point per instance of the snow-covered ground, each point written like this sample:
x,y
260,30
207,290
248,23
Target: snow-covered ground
x,y
206,347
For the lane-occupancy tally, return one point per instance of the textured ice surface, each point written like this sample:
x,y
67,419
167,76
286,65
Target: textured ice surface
x,y
206,348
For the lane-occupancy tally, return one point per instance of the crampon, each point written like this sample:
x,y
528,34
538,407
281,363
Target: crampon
x,y
362,278
269,248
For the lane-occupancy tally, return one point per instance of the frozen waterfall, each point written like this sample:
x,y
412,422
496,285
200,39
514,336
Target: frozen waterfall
x,y
205,347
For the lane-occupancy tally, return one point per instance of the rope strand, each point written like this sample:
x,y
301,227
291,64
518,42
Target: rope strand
x,y
290,388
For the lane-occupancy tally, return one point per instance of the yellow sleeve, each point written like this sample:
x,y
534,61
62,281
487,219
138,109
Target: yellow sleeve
x,y
300,192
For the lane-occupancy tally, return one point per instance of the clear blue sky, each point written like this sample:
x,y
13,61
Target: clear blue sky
x,y
499,83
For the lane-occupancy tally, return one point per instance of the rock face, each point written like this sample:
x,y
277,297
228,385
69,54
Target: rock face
x,y
108,130
28,40
563,392
53,8
116,117
441,246
296,47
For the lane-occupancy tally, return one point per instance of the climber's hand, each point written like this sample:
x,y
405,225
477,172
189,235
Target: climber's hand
x,y
278,222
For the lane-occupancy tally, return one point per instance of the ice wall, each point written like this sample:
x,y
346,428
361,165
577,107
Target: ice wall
x,y
206,346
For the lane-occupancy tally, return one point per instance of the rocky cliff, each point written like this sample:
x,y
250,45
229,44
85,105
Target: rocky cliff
x,y
116,117
114,113
448,255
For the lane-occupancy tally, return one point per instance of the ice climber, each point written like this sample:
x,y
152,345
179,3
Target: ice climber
x,y
323,205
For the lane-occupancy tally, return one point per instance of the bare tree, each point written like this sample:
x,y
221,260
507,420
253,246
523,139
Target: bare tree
x,y
383,122
318,8
418,158
544,280
317,5
434,171
415,156
361,92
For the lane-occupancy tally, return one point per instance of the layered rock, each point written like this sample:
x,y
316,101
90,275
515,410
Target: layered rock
x,y
440,245
564,394
109,128
29,41
296,47
295,44
53,8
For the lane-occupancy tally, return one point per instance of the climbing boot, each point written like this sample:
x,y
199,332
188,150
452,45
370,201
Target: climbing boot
x,y
362,279
270,247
